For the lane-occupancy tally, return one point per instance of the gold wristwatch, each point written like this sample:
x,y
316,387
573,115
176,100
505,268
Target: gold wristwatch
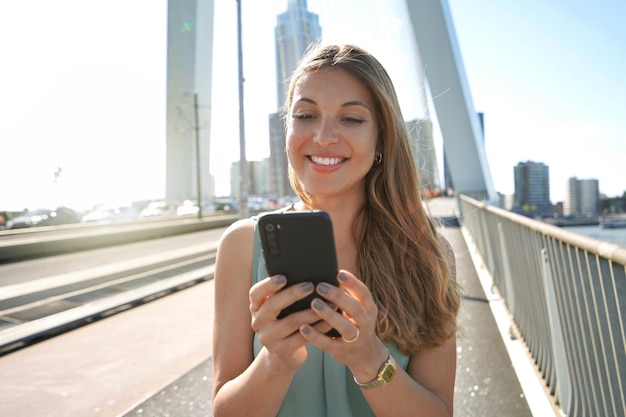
x,y
385,374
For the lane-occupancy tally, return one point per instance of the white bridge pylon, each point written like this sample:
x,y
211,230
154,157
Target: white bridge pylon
x,y
439,52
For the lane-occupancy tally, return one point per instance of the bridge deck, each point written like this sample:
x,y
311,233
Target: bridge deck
x,y
155,360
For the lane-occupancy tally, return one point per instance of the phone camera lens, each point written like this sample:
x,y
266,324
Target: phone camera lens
x,y
271,238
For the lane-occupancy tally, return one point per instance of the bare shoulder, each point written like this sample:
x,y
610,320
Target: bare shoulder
x,y
238,236
235,253
240,229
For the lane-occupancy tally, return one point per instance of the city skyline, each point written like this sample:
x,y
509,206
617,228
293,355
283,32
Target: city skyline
x,y
90,99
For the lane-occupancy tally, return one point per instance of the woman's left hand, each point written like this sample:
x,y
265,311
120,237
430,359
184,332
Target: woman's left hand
x,y
355,318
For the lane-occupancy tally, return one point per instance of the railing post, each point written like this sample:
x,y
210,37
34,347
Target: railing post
x,y
506,271
488,255
563,381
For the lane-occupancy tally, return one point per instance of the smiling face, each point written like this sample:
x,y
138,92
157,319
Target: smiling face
x,y
332,132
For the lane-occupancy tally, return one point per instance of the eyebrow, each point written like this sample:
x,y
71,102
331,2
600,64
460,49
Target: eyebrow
x,y
346,104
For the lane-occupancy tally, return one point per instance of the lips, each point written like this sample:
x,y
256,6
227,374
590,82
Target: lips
x,y
326,161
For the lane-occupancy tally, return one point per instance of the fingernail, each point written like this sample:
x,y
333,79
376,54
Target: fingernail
x,y
343,276
305,329
323,288
307,286
318,304
280,279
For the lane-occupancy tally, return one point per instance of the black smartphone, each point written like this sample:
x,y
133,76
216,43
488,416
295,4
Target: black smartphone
x,y
301,246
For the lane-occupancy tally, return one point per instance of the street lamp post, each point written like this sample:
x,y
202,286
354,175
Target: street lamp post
x,y
198,169
243,164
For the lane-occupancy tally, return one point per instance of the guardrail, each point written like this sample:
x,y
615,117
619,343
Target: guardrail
x,y
566,294
55,240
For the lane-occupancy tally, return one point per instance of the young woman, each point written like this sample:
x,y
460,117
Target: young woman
x,y
350,155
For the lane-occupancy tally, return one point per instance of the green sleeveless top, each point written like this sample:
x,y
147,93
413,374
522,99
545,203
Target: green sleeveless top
x,y
322,386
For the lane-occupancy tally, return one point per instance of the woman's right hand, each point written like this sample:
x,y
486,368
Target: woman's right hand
x,y
281,338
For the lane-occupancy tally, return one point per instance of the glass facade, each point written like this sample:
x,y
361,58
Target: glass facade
x,y
532,189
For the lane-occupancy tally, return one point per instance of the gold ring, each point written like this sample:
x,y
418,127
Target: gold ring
x,y
356,336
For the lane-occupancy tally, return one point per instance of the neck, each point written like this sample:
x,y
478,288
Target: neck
x,y
342,212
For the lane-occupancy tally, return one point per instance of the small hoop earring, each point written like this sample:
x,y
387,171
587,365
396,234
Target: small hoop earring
x,y
378,159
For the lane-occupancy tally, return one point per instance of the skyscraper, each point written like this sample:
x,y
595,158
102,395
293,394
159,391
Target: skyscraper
x,y
582,197
589,197
295,30
532,189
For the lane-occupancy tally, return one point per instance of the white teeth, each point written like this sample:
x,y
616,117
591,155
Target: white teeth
x,y
326,161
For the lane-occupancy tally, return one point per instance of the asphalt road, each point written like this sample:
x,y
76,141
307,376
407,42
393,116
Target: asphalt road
x,y
50,267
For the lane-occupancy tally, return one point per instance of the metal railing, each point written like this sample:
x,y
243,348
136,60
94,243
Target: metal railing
x,y
566,294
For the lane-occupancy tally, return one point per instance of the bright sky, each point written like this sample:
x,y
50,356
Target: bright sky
x,y
549,76
82,87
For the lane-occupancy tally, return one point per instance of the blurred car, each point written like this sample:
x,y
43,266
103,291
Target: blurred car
x,y
257,203
108,213
190,207
44,217
226,206
4,218
157,208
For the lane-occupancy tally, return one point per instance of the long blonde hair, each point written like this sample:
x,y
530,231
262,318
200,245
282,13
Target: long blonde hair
x,y
400,255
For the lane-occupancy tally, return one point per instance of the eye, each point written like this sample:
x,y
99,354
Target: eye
x,y
301,116
353,120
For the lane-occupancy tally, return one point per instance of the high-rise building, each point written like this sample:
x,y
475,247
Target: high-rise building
x,y
532,189
295,30
423,145
278,173
571,197
589,197
257,177
582,198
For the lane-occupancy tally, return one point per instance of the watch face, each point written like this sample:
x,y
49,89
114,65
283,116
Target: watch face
x,y
388,373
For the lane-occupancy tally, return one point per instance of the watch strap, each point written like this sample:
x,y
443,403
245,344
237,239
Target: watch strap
x,y
385,374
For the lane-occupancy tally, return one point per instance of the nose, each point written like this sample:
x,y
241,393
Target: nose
x,y
326,133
